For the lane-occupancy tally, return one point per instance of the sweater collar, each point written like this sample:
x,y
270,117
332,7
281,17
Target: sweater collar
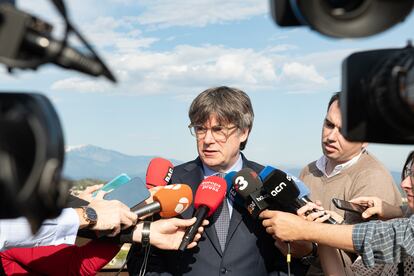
x,y
321,165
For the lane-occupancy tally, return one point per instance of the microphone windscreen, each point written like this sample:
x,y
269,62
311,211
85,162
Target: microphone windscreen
x,y
229,180
231,192
210,193
245,182
281,187
266,172
303,189
159,172
174,199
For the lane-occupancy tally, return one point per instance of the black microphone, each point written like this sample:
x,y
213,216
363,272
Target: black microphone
x,y
68,57
285,194
247,184
26,43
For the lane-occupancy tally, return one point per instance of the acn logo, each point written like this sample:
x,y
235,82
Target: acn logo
x,y
278,189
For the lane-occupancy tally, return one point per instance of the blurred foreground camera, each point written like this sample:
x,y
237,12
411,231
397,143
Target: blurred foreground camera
x,y
377,101
341,18
31,158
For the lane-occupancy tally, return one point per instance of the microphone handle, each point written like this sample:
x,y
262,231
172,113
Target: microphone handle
x,y
151,208
191,231
69,57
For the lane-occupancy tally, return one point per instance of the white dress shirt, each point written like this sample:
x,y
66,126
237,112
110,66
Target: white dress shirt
x,y
321,165
60,230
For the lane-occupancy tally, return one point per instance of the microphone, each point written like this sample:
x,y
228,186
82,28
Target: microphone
x,y
303,199
27,43
159,172
232,195
68,57
285,193
209,195
169,201
249,187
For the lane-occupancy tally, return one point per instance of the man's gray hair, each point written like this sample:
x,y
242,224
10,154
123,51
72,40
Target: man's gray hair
x,y
229,105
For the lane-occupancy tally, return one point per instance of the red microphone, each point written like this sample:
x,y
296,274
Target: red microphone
x,y
159,172
170,201
210,194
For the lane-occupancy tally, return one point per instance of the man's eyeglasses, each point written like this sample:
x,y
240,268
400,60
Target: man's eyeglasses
x,y
220,133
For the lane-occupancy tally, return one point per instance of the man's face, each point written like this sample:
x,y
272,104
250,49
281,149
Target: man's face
x,y
220,155
334,146
407,185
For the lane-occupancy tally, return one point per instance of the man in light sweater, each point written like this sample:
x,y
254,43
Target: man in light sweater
x,y
345,171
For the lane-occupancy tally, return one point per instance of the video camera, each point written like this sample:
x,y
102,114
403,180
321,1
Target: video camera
x,y
31,158
31,137
377,99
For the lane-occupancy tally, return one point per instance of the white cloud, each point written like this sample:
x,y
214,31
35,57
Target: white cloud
x,y
300,72
162,13
77,84
186,69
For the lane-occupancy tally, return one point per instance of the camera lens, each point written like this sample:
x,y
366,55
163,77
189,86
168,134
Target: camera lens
x,y
343,9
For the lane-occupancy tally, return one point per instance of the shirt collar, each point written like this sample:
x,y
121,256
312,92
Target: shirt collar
x,y
236,167
321,165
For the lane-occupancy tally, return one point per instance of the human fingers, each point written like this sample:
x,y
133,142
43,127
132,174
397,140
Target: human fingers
x,y
323,218
312,216
100,194
307,209
266,214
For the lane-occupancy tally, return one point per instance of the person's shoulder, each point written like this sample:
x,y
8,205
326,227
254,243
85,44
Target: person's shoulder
x,y
187,166
253,165
309,168
370,161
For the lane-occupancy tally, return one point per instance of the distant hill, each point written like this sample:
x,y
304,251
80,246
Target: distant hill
x,y
88,161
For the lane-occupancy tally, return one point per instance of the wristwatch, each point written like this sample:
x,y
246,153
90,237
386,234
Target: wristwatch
x,y
308,259
90,215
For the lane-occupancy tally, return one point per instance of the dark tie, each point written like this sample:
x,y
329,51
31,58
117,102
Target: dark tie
x,y
222,218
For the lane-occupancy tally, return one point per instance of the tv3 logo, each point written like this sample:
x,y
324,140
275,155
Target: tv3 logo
x,y
240,183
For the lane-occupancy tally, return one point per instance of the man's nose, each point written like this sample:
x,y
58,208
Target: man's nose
x,y
333,134
209,138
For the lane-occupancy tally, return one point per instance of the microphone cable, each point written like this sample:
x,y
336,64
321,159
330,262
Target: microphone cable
x,y
144,263
288,257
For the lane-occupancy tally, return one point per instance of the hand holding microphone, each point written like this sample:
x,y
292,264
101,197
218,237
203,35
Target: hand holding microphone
x,y
287,192
168,233
210,194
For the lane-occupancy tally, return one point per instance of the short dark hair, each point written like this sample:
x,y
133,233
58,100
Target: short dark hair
x,y
230,105
410,159
335,97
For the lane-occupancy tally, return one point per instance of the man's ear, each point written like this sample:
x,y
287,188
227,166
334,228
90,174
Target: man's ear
x,y
244,134
364,145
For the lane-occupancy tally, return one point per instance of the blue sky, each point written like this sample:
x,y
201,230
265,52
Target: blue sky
x,y
166,52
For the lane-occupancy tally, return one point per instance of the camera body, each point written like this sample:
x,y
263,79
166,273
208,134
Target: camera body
x,y
377,99
31,158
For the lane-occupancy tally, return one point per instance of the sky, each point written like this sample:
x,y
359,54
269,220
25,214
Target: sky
x,y
164,53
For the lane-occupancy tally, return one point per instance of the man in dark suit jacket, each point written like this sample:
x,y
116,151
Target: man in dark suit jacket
x,y
221,120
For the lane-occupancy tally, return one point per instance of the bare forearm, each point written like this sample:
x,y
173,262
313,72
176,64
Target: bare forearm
x,y
338,236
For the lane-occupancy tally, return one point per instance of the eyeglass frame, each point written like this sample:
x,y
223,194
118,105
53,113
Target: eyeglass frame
x,y
408,172
226,135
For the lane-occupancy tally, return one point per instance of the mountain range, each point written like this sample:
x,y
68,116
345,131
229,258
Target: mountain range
x,y
89,161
